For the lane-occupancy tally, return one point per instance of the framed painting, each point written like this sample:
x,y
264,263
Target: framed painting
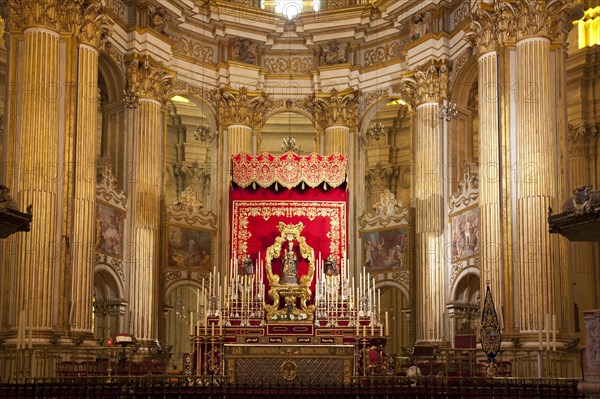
x,y
109,230
189,248
465,239
386,249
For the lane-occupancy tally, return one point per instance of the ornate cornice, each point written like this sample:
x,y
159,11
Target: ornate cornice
x,y
336,109
582,140
388,212
91,27
428,84
240,108
146,79
467,192
188,209
106,186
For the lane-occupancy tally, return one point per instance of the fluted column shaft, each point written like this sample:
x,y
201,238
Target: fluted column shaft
x,y
489,172
85,189
148,147
336,139
240,139
428,196
536,160
34,286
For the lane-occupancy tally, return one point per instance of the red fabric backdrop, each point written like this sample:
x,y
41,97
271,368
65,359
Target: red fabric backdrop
x,y
255,214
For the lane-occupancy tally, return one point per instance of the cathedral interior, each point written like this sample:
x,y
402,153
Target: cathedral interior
x,y
295,192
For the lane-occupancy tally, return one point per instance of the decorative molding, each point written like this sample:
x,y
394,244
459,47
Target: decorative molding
x,y
146,79
458,267
388,212
468,189
582,140
374,96
240,108
337,109
106,186
458,64
289,170
116,55
207,96
384,52
428,84
288,65
113,263
461,13
117,8
402,277
188,209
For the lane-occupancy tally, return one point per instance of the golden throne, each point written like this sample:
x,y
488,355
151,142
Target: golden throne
x,y
295,293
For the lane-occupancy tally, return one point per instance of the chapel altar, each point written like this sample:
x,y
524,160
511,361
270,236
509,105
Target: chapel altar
x,y
288,309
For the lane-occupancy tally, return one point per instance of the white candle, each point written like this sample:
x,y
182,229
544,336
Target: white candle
x,y
386,323
191,323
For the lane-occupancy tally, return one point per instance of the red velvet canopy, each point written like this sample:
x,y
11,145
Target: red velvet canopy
x,y
256,212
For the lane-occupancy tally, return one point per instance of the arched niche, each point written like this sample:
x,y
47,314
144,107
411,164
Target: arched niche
x,y
111,142
463,309
388,156
191,143
282,125
182,313
109,305
395,300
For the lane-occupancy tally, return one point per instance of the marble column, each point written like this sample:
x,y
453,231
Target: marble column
x,y
491,251
34,257
424,92
239,139
522,135
147,87
85,171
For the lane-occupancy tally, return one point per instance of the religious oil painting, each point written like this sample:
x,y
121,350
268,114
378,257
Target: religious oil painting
x,y
109,231
465,233
188,248
386,249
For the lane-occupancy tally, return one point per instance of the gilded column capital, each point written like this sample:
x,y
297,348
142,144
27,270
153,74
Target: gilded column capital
x,y
53,14
429,84
91,26
337,108
378,177
483,29
146,79
241,108
582,140
533,18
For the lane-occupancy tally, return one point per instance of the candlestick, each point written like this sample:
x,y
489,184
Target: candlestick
x,y
364,330
372,325
191,323
357,323
212,330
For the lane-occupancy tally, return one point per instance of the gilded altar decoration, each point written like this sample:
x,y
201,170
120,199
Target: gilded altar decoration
x,y
491,336
292,287
289,170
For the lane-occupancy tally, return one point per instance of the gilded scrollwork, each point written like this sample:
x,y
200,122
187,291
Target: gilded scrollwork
x,y
384,52
467,191
194,49
106,186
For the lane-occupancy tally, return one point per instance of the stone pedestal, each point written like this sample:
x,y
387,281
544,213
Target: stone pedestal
x,y
591,365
